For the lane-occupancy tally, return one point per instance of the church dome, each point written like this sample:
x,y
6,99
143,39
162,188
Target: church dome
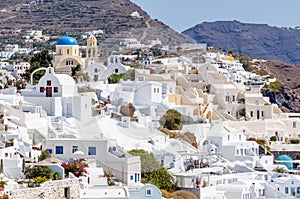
x,y
67,41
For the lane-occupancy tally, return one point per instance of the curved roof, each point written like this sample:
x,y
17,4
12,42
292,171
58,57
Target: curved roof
x,y
283,158
65,79
67,41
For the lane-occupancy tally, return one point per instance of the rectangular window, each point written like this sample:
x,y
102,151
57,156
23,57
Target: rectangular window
x,y
158,90
148,192
49,150
251,113
233,98
154,90
96,70
286,190
42,89
293,191
48,82
59,150
227,98
294,125
55,89
92,150
116,71
298,189
74,149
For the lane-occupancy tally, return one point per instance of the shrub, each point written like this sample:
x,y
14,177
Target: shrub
x,y
280,170
38,171
273,138
77,167
294,141
171,120
274,86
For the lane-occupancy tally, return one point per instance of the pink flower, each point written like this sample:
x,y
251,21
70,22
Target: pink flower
x,y
76,173
64,164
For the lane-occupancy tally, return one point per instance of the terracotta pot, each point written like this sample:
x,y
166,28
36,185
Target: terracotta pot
x,y
1,188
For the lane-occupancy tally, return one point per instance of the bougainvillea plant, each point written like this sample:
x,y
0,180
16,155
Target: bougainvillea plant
x,y
77,167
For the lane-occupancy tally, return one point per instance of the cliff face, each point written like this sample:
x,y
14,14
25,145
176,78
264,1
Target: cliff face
x,y
288,97
255,40
58,17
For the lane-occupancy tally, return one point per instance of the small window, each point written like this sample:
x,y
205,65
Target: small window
x,y
154,90
92,150
55,89
49,150
157,90
251,113
148,192
294,125
59,150
74,149
227,98
116,71
240,137
42,89
286,190
48,82
228,137
68,51
96,70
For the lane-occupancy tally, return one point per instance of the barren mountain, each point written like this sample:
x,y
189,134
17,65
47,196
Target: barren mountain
x,y
79,16
255,40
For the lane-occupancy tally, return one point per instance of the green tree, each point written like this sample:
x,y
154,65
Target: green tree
x,y
160,178
171,120
148,162
44,155
41,59
114,78
153,172
75,69
156,50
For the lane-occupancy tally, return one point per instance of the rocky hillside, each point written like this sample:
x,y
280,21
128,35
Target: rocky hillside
x,y
288,97
79,16
255,40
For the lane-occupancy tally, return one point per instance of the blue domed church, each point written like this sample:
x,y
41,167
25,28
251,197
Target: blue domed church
x,y
67,55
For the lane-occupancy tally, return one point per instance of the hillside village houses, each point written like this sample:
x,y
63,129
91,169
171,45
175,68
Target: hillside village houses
x,y
217,104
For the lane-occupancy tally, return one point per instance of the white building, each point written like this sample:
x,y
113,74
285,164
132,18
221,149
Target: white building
x,y
57,94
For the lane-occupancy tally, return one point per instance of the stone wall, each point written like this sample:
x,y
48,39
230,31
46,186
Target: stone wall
x,y
68,188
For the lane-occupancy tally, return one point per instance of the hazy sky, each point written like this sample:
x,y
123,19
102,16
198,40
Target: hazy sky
x,y
183,14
